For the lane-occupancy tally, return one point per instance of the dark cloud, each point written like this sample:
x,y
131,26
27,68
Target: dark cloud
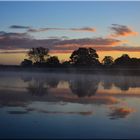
x,y
124,48
91,41
40,29
57,37
13,35
122,30
13,51
23,40
19,27
83,29
12,41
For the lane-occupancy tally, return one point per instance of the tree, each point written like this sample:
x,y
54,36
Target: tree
x,y
26,62
124,60
84,56
135,62
38,54
53,60
66,63
107,61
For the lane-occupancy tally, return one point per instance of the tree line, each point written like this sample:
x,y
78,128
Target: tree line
x,y
82,57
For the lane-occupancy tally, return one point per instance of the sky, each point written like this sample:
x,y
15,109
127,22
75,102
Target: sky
x,y
112,28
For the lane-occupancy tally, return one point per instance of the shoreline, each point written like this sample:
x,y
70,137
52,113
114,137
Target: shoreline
x,y
98,71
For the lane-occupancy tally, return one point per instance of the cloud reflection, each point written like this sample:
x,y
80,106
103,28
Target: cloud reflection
x,y
18,112
87,113
120,112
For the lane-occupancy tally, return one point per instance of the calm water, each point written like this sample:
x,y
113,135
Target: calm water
x,y
69,106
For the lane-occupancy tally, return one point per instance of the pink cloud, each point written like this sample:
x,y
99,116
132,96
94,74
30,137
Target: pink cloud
x,y
122,30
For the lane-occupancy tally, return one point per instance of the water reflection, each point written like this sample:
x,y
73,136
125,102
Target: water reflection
x,y
120,112
18,112
37,88
68,88
57,104
121,82
72,88
84,86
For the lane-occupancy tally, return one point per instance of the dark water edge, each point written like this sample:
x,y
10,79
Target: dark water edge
x,y
99,71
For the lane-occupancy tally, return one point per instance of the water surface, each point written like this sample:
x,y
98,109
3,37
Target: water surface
x,y
51,105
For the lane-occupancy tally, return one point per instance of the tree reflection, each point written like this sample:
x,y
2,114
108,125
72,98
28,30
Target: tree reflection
x,y
40,86
123,86
84,86
37,88
121,82
26,78
52,82
107,83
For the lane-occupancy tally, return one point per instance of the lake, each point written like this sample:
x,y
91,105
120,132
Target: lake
x,y
51,105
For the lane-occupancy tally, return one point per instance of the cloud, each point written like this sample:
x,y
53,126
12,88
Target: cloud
x,y
84,29
19,27
122,30
119,48
15,41
13,51
23,40
41,29
91,41
57,37
124,48
96,43
13,35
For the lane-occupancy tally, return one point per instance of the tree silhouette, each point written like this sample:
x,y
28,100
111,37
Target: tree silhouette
x,y
107,60
135,62
66,63
38,54
53,61
26,62
84,56
80,57
124,60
